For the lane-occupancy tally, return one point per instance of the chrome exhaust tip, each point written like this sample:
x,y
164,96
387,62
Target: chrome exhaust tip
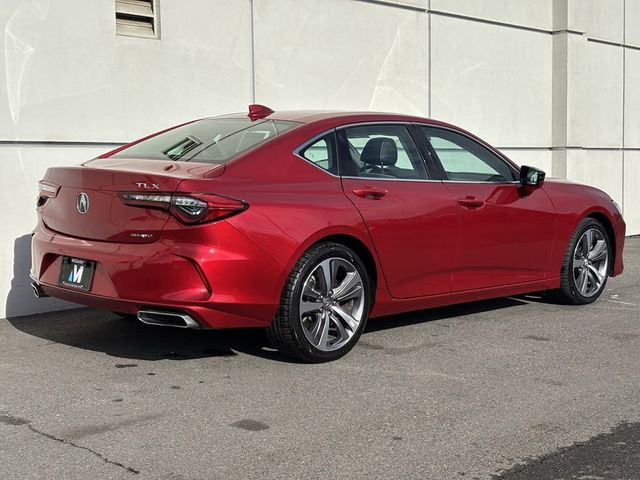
x,y
37,290
167,319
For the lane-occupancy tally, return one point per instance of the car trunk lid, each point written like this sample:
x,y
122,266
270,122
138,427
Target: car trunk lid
x,y
88,203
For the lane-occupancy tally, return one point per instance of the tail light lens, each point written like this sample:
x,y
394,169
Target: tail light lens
x,y
189,209
46,191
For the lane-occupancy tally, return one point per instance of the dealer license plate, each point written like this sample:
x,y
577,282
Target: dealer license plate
x,y
76,273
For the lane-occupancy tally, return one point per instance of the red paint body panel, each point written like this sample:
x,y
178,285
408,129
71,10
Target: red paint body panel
x,y
169,273
427,249
573,202
505,240
413,227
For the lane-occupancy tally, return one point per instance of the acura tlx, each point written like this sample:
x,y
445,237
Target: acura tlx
x,y
308,223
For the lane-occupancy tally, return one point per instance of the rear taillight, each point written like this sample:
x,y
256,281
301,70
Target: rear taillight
x,y
188,208
156,200
46,191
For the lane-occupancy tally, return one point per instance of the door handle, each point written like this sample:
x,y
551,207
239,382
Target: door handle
x,y
470,202
370,192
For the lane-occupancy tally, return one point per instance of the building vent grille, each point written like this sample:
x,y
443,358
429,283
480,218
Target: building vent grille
x,y
137,18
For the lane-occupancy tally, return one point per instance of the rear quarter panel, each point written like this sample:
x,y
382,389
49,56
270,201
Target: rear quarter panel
x,y
292,204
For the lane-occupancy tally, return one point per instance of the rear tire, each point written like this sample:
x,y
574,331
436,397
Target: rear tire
x,y
586,265
324,305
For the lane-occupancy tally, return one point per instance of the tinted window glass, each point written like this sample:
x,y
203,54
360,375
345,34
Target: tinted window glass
x,y
213,140
322,153
384,151
466,160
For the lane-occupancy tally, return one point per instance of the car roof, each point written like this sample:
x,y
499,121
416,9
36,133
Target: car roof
x,y
309,116
341,116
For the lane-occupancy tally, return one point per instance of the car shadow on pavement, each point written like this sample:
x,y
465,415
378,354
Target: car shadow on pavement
x,y
102,331
441,313
128,338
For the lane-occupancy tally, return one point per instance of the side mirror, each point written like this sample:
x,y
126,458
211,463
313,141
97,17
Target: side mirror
x,y
531,176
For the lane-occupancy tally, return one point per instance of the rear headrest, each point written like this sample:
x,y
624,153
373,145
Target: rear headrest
x,y
380,151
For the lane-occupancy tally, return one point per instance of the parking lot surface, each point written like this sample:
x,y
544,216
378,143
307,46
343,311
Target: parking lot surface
x,y
514,388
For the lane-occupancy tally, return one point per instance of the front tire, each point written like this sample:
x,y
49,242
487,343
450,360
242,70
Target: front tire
x,y
324,305
587,264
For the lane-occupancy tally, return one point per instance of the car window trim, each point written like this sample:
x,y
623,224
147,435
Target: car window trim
x,y
392,179
429,157
486,146
334,145
430,162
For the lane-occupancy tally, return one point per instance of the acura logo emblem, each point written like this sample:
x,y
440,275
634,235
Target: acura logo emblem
x,y
82,202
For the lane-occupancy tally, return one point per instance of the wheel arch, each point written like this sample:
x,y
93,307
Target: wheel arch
x,y
363,253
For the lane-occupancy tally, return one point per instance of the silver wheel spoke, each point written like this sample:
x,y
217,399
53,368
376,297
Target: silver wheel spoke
x,y
577,278
599,251
309,291
591,281
589,240
598,278
348,288
584,244
309,307
351,322
344,335
317,326
327,275
323,332
582,282
578,262
316,331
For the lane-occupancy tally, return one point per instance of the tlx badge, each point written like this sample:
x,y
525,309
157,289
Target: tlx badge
x,y
148,186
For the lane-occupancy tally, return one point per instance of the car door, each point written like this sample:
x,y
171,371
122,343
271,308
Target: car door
x,y
412,219
506,231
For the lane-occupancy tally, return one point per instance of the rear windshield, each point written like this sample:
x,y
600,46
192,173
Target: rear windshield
x,y
212,140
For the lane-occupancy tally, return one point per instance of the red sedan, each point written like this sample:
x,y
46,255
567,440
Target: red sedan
x,y
308,223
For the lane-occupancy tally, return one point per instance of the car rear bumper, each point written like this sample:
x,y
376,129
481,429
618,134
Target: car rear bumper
x,y
196,274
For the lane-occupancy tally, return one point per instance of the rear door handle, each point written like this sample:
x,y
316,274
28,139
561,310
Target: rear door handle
x,y
370,192
470,202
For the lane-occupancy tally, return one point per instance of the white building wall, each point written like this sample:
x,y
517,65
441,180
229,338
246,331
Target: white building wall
x,y
341,54
553,83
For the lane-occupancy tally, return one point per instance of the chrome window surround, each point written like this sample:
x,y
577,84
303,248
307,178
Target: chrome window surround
x,y
298,151
317,137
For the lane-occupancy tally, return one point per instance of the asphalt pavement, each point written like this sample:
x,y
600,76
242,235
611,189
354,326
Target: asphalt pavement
x,y
514,388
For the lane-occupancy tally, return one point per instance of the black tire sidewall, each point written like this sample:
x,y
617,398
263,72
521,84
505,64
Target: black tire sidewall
x,y
320,254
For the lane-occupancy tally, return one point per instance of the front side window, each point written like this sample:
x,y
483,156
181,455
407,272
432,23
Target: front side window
x,y
466,160
212,140
381,151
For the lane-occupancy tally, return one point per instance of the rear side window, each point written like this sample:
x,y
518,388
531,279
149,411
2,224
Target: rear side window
x,y
212,140
322,153
466,160
381,151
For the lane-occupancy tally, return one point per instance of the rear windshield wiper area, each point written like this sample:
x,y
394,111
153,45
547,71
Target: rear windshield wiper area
x,y
184,146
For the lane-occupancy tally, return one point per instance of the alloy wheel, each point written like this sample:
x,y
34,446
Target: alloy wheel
x,y
590,262
331,305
